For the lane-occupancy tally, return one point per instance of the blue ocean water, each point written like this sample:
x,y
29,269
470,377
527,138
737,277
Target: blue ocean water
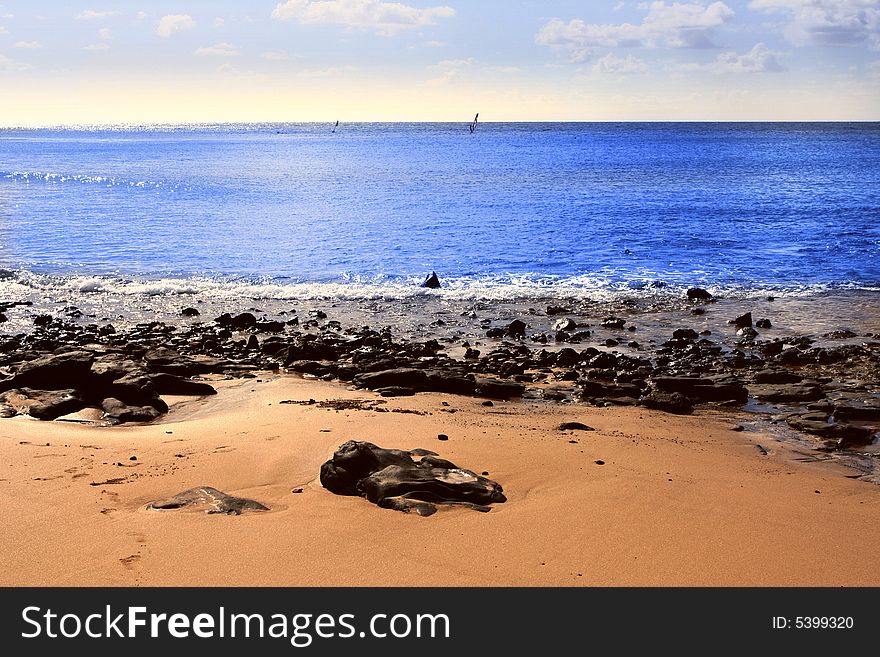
x,y
748,205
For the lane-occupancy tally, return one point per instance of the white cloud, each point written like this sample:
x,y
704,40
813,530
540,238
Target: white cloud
x,y
105,33
141,15
7,65
91,14
219,50
611,64
219,22
386,18
174,23
96,47
3,30
27,45
275,56
828,22
675,25
449,71
759,59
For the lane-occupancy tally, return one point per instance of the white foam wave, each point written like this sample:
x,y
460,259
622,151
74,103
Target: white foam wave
x,y
496,288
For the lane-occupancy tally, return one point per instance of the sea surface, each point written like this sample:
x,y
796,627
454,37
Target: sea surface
x,y
513,210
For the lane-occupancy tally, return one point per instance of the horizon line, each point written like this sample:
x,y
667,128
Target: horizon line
x,y
140,124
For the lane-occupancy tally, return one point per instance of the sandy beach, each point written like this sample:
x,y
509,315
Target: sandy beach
x,y
678,500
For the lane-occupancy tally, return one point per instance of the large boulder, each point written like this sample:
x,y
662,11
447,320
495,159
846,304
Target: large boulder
x,y
55,372
117,411
43,404
391,478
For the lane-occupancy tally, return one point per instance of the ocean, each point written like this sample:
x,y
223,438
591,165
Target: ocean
x,y
513,210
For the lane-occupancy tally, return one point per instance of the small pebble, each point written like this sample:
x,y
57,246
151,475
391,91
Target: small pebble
x,y
297,490
599,462
133,458
442,436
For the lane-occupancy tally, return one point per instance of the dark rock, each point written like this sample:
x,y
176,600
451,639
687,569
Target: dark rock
x,y
603,389
495,333
168,384
516,329
121,412
838,435
210,500
575,426
442,436
401,377
241,321
42,320
396,391
702,390
57,372
763,324
669,402
685,334
747,333
190,312
497,389
44,404
432,281
742,321
391,478
567,357
271,326
777,376
698,294
787,392
557,310
613,323
869,412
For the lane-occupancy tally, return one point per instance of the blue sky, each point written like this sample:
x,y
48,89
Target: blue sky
x,y
145,61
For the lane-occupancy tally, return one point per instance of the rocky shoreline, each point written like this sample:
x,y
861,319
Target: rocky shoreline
x,y
827,386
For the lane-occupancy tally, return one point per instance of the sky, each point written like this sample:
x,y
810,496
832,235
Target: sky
x,y
184,61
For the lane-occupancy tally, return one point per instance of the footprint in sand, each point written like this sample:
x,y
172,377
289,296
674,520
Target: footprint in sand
x,y
130,561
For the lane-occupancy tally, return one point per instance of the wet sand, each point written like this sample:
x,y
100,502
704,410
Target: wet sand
x,y
680,500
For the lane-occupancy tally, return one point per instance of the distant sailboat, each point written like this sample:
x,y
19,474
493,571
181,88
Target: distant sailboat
x,y
336,126
473,126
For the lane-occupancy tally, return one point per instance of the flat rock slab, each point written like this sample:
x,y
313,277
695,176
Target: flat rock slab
x,y
209,500
790,392
392,479
575,426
